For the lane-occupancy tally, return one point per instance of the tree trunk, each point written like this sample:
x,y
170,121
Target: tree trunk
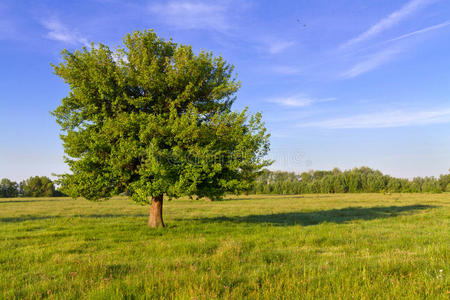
x,y
156,209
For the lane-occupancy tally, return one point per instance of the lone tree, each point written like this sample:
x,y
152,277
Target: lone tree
x,y
153,119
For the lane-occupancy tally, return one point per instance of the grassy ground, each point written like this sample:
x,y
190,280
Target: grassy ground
x,y
362,246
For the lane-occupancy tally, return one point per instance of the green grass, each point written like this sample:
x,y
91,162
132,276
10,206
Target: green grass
x,y
361,246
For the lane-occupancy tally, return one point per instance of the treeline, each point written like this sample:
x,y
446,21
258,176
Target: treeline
x,y
357,180
36,186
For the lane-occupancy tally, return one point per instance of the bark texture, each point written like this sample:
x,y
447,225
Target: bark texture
x,y
156,212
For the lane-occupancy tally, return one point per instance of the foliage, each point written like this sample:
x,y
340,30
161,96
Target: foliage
x,y
357,180
38,186
341,246
153,118
8,188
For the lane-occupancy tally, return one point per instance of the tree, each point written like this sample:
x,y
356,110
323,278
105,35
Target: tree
x,y
8,188
154,119
357,180
38,186
444,182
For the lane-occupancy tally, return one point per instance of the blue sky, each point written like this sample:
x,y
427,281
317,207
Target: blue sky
x,y
340,83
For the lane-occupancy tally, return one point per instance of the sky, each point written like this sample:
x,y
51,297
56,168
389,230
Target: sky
x,y
339,83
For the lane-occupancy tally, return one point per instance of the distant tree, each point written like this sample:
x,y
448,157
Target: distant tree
x,y
326,184
339,184
154,119
444,182
416,184
306,177
394,185
21,191
8,188
38,186
447,189
357,180
431,185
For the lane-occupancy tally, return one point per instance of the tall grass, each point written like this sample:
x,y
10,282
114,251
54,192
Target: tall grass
x,y
362,246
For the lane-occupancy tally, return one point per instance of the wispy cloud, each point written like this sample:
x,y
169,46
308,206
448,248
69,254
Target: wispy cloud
x,y
404,36
59,32
371,62
394,18
420,31
387,119
279,46
193,15
298,100
377,59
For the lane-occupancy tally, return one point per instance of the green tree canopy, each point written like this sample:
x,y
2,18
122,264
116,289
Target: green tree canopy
x,y
356,180
8,188
38,186
153,119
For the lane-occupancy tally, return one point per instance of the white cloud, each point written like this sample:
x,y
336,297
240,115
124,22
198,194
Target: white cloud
x,y
394,18
298,101
377,59
279,46
387,119
193,15
59,32
370,63
407,35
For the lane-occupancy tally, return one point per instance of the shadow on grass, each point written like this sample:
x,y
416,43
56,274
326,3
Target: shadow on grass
x,y
281,219
256,197
273,196
317,217
24,201
95,216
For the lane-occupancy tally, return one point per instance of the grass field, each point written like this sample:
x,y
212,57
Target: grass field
x,y
361,246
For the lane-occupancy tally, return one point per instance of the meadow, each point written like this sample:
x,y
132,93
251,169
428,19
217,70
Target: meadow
x,y
331,246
